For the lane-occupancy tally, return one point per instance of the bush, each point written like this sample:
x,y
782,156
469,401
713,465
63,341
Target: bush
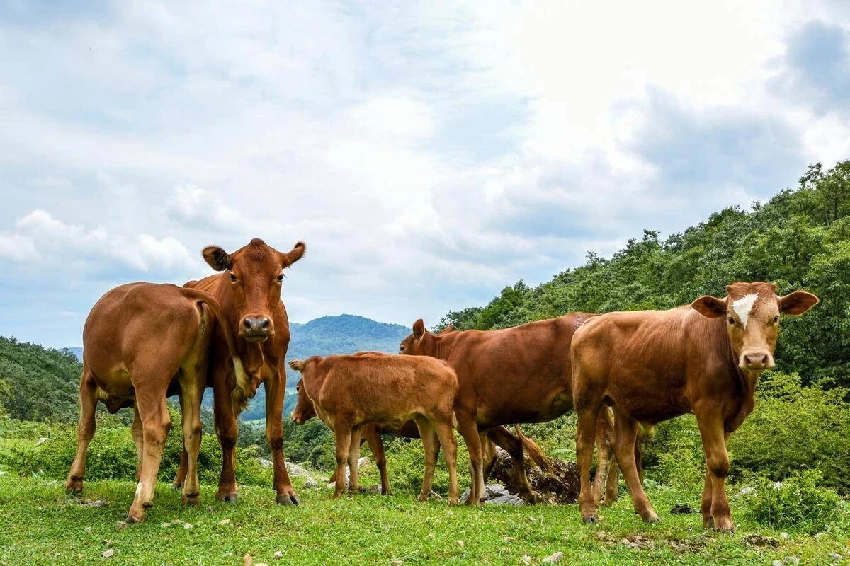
x,y
796,503
794,428
674,455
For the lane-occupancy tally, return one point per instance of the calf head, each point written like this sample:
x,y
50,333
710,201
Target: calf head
x,y
304,409
752,319
256,277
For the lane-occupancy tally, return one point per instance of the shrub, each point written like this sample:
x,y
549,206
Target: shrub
x,y
794,428
796,503
674,455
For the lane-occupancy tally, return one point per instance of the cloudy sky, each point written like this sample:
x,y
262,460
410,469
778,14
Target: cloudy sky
x,y
428,153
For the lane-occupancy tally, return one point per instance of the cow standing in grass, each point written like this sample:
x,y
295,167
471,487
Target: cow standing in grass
x,y
349,392
704,358
249,292
137,339
513,375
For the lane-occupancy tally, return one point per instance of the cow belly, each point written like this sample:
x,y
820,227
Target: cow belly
x,y
527,410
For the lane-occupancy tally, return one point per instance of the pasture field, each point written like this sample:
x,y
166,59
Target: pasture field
x,y
39,524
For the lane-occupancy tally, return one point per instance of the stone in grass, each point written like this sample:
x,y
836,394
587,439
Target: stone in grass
x,y
278,555
554,558
108,553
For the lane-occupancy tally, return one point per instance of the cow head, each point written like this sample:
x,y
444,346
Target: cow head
x,y
752,319
256,276
421,342
304,409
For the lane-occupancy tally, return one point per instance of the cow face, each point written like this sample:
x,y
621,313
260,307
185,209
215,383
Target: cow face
x,y
255,273
304,409
752,319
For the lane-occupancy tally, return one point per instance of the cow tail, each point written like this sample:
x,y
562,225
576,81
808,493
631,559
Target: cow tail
x,y
242,380
535,453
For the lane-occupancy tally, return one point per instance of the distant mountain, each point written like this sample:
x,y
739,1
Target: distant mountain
x,y
343,334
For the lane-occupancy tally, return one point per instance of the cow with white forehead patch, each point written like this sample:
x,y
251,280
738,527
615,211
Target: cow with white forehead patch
x,y
704,358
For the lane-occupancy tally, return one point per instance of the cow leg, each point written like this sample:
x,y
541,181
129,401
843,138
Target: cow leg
x,y
449,444
604,460
191,390
705,504
376,445
275,389
138,440
353,459
714,439
155,425
228,431
429,439
469,431
342,437
626,430
513,446
585,437
85,432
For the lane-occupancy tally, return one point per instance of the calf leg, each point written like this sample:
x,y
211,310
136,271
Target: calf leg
x,y
85,432
353,459
275,389
624,438
429,439
605,464
447,441
376,445
714,440
228,431
342,437
155,425
513,445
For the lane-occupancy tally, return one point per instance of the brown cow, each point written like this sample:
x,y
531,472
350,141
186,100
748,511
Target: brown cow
x,y
351,391
136,339
512,375
704,358
249,295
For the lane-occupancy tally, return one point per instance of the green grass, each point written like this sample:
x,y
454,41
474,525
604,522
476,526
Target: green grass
x,y
39,524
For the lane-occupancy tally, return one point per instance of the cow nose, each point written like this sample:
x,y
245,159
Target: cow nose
x,y
257,326
758,360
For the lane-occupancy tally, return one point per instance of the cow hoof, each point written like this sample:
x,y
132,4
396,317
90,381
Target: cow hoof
x,y
453,501
287,499
191,499
74,491
422,497
591,520
176,486
651,518
130,520
231,498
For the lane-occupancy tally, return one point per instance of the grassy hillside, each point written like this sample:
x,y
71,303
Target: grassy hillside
x,y
800,238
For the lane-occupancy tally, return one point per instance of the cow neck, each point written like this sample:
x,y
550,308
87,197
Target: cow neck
x,y
744,381
445,345
314,384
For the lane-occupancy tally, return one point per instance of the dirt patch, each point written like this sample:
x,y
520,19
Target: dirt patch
x,y
559,484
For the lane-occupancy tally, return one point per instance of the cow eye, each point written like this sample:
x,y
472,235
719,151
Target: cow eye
x,y
776,319
280,277
731,321
233,277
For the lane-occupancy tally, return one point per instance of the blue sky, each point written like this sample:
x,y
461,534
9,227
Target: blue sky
x,y
428,153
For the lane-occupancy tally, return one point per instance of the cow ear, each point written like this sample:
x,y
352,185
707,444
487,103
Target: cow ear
x,y
797,302
217,258
710,307
448,329
418,329
297,365
293,256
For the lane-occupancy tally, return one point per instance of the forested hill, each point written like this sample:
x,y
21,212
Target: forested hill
x,y
800,238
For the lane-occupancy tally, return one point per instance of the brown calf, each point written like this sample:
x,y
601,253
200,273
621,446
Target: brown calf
x,y
513,375
136,339
249,294
351,391
704,358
